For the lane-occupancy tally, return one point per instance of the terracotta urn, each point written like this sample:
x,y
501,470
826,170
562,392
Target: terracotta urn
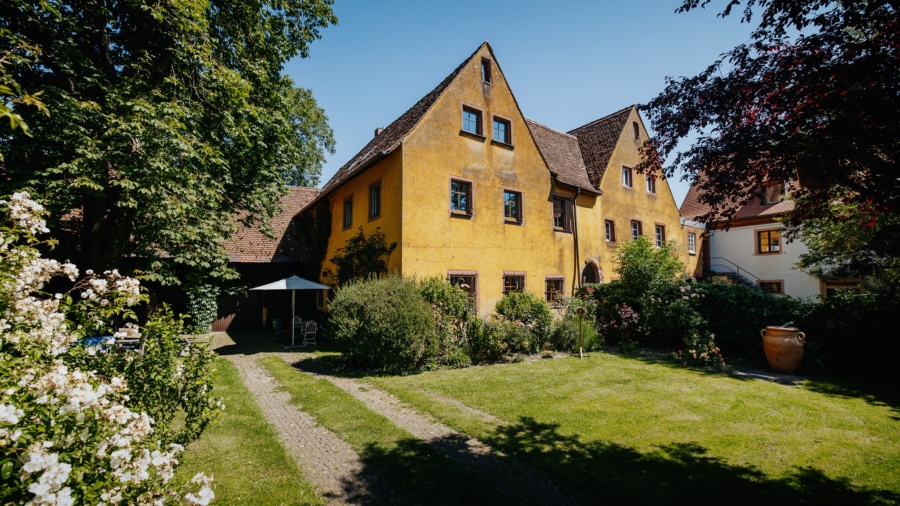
x,y
783,347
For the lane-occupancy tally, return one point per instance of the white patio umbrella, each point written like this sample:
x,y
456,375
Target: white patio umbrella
x,y
293,284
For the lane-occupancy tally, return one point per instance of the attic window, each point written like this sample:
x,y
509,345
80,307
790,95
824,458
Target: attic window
x,y
637,130
772,193
486,71
471,121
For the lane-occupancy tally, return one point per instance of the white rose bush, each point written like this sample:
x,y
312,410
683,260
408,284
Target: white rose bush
x,y
90,424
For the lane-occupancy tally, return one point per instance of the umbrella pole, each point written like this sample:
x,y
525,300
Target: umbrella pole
x,y
293,312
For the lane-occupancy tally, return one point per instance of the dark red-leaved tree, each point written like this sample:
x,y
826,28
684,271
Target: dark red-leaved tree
x,y
814,94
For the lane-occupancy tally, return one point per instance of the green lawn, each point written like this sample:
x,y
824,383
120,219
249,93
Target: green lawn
x,y
243,453
628,430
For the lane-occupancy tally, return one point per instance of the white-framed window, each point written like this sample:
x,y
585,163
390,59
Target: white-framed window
x,y
460,197
562,214
636,229
651,183
692,243
660,235
610,230
627,177
512,206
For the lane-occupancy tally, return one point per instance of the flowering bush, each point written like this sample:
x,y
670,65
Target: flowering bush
x,y
700,350
624,328
531,312
71,432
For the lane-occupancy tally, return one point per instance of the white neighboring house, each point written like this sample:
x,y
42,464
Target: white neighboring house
x,y
752,247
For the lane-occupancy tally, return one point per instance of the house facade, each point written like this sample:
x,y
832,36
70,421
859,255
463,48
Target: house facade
x,y
751,247
473,192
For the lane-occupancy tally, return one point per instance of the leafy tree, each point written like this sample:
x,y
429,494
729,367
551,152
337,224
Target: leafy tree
x,y
814,93
642,266
168,119
362,256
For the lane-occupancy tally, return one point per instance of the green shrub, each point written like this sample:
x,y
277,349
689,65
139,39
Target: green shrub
x,y
567,330
202,307
852,334
383,323
736,314
533,314
641,266
452,310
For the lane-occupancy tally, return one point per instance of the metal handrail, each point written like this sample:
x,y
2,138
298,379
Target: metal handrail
x,y
737,269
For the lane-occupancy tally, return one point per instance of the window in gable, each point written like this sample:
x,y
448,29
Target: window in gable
x,y
773,193
651,183
502,131
562,214
471,121
627,177
348,212
486,71
513,282
512,206
460,197
636,130
375,200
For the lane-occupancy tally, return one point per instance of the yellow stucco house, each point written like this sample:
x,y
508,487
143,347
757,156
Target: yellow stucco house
x,y
472,191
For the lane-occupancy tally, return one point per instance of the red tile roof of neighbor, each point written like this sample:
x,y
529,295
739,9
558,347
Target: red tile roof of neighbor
x,y
562,154
692,208
249,245
598,140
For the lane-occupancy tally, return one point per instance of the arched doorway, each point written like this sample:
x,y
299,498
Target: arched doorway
x,y
591,272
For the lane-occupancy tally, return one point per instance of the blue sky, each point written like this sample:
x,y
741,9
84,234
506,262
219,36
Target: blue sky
x,y
568,62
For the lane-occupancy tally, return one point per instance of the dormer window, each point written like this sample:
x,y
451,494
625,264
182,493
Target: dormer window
x,y
486,71
772,193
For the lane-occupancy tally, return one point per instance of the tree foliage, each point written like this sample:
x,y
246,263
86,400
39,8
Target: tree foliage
x,y
362,257
167,119
814,93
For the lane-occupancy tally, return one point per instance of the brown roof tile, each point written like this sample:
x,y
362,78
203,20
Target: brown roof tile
x,y
597,141
249,245
562,154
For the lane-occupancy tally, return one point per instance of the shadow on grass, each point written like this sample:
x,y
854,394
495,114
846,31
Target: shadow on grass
x,y
419,474
674,474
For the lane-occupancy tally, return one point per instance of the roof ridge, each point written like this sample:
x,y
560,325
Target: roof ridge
x,y
607,117
394,134
538,123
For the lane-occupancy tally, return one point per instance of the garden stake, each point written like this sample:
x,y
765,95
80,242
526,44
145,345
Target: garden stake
x,y
580,312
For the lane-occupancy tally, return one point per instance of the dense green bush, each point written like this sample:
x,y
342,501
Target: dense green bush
x,y
453,311
736,314
202,307
383,323
531,312
852,334
642,267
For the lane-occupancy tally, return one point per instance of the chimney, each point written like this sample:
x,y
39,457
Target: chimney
x,y
378,131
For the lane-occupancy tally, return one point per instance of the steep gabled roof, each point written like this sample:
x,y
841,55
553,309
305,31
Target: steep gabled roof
x,y
392,136
249,245
598,140
563,156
